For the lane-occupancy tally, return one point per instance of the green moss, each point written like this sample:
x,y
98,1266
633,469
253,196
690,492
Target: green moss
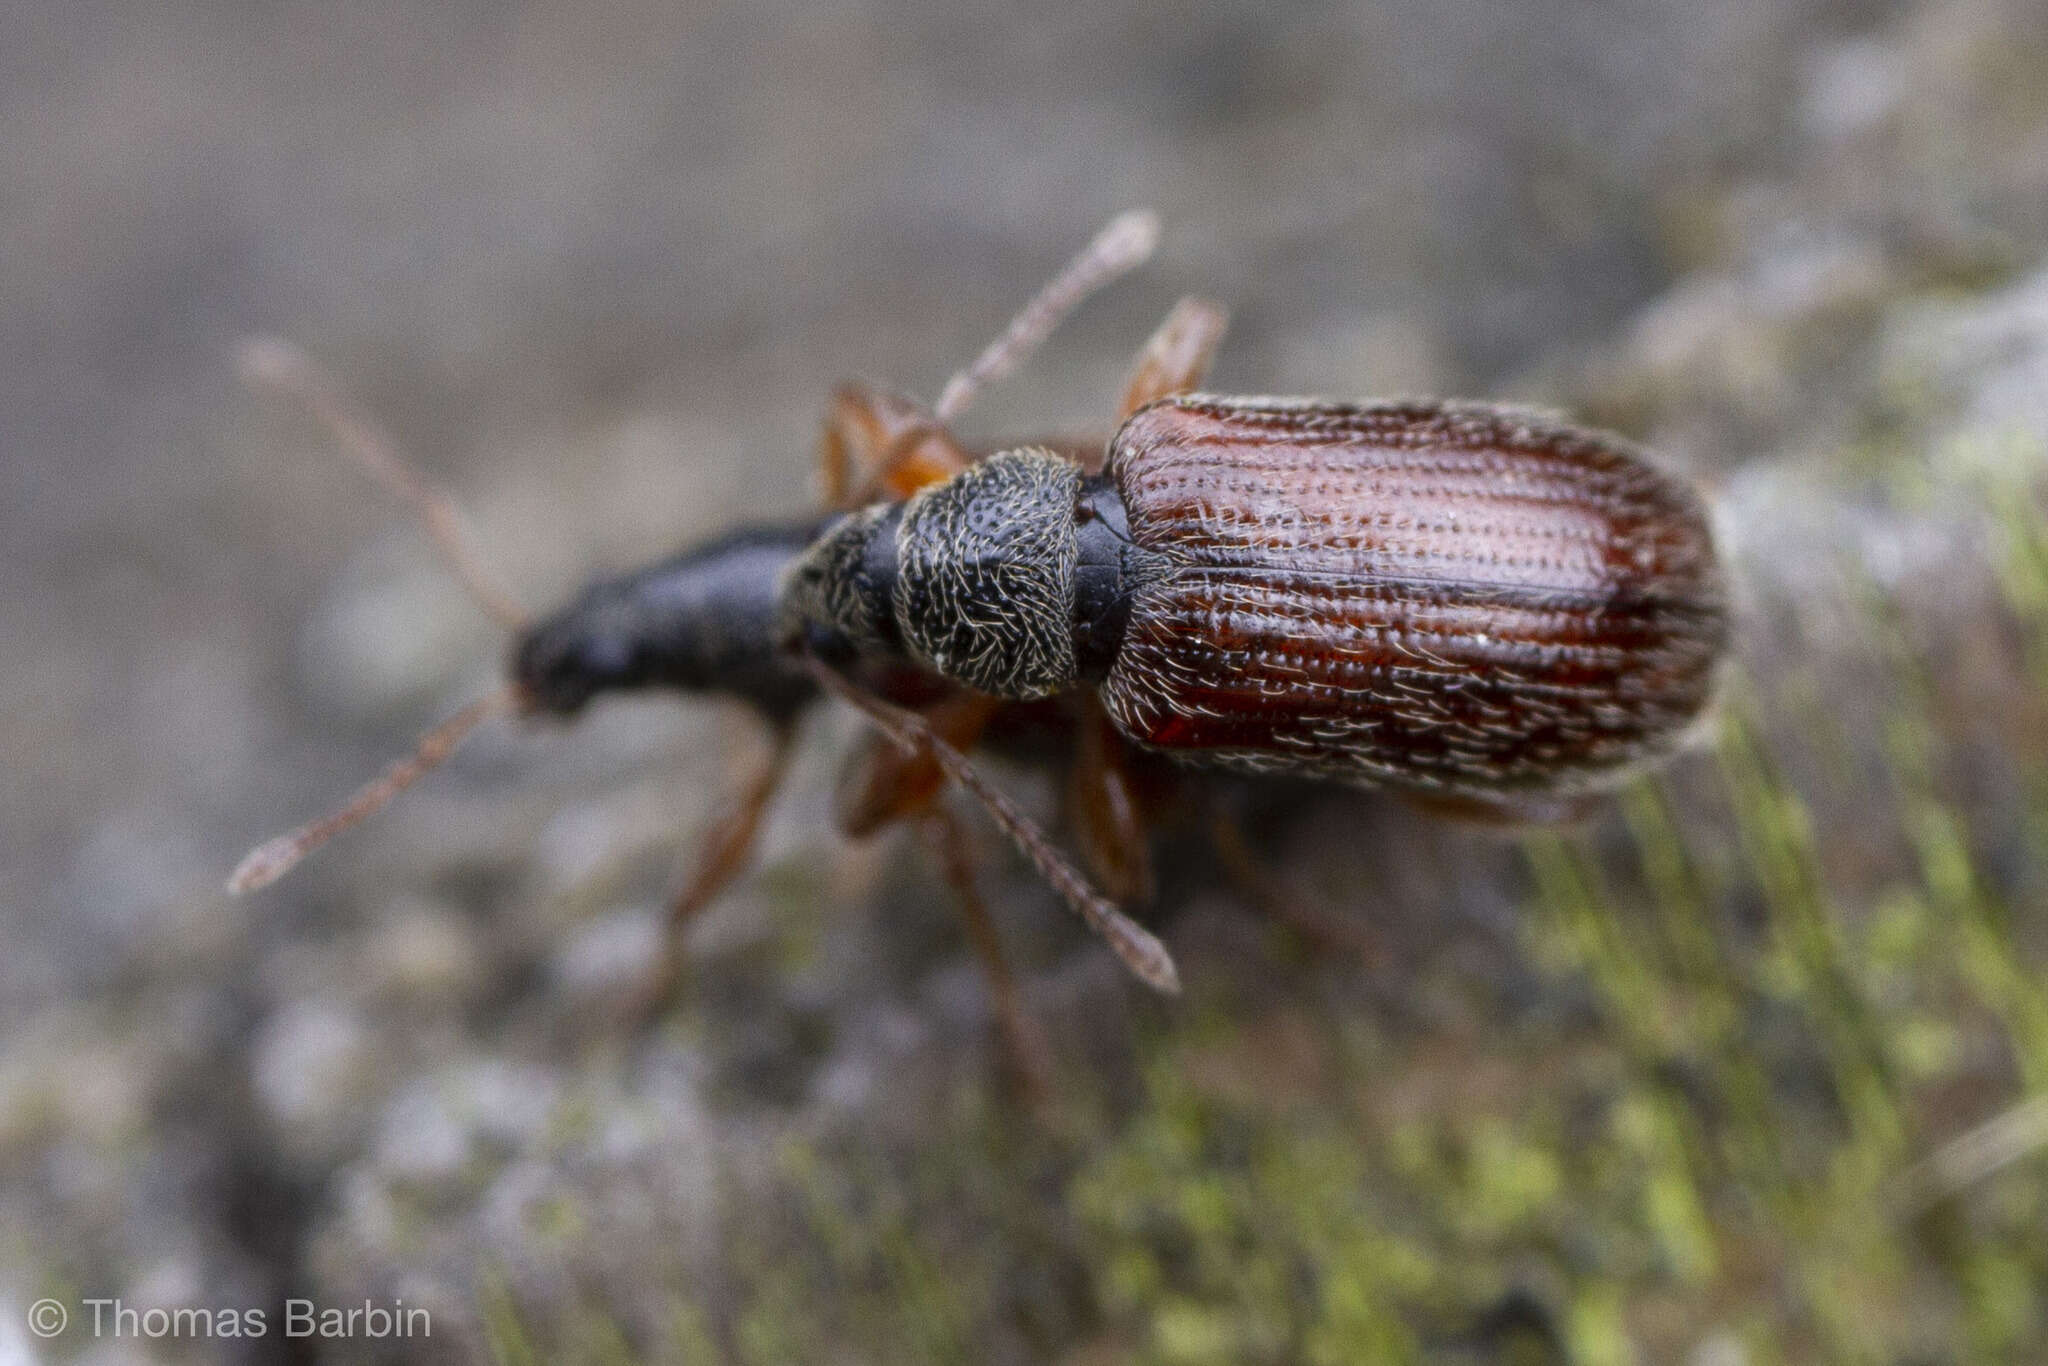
x,y
1773,983
1229,1235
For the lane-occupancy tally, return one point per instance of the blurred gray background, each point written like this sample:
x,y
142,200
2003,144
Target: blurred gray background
x,y
596,267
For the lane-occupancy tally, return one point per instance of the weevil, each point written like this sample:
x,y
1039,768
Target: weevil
x,y
1456,601
1483,608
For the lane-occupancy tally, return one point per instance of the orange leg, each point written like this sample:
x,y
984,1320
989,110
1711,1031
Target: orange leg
x,y
722,857
880,445
1104,811
884,446
1026,1044
1138,947
882,783
1176,357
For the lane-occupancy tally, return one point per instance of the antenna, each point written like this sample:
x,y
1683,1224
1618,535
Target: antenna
x,y
1125,243
272,859
277,364
1139,949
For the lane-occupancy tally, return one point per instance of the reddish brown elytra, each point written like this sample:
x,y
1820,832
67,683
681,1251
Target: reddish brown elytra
x,y
1477,606
1524,609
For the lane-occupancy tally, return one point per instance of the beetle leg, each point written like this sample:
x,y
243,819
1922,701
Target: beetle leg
x,y
883,783
1256,885
1025,1041
724,853
881,445
1175,358
1104,810
1137,947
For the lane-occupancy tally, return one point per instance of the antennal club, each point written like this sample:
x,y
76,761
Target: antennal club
x,y
272,859
1139,949
1124,244
277,364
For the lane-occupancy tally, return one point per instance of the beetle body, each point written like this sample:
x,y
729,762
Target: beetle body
x,y
1481,606
1461,600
